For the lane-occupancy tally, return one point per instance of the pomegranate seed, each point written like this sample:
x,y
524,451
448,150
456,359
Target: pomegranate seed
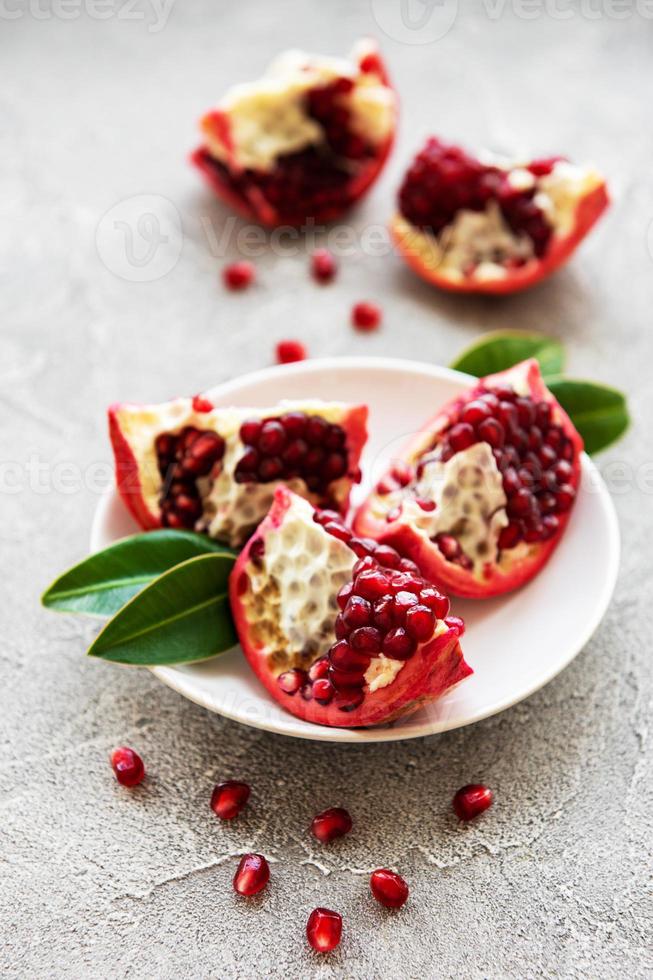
x,y
448,546
238,275
455,623
323,691
318,669
343,595
371,584
389,888
461,437
510,535
252,874
323,265
291,680
363,547
357,612
472,800
289,351
367,639
492,431
474,412
330,824
565,496
366,316
324,930
420,623
398,645
345,659
128,766
387,556
338,530
401,604
201,404
229,798
435,601
384,613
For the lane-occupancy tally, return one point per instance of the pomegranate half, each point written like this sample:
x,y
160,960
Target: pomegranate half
x,y
484,492
487,226
305,141
341,632
186,464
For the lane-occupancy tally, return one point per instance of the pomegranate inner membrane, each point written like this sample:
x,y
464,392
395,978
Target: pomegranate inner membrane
x,y
181,460
337,616
526,450
444,181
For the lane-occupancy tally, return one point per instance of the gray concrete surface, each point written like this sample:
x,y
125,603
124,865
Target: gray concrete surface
x,y
99,882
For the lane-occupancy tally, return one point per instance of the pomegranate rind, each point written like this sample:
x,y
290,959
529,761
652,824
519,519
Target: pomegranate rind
x,y
410,242
513,570
133,429
432,670
252,205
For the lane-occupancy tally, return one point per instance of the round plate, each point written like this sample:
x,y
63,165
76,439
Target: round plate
x,y
515,644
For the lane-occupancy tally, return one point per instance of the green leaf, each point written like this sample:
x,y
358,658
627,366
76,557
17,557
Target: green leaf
x,y
181,617
600,413
102,583
502,349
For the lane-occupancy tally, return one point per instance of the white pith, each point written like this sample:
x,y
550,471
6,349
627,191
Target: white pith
x,y
381,672
230,510
478,243
268,118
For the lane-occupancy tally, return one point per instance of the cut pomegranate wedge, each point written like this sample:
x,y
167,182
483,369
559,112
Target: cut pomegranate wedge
x,y
484,492
341,632
305,141
482,226
186,464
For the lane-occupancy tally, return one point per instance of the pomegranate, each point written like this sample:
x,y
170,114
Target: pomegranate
x,y
365,316
215,471
487,226
128,766
331,824
229,798
305,141
289,351
323,265
341,632
484,492
472,800
324,930
252,874
238,275
389,888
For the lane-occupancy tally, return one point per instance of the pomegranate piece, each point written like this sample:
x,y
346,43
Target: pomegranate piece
x,y
501,467
128,766
323,265
238,275
324,930
289,351
389,888
252,874
229,798
492,227
472,800
366,316
306,141
331,824
341,643
185,464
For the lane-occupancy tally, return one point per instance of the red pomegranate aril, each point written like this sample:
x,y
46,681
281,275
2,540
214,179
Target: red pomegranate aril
x,y
340,628
344,681
344,594
127,766
371,584
510,535
387,556
316,429
472,800
461,436
406,581
345,658
455,623
295,452
563,471
238,275
323,265
335,466
521,503
289,351
323,690
250,431
491,431
252,874
384,613
363,547
435,601
201,404
366,316
291,680
398,645
475,412
270,468
366,639
420,622
331,824
229,798
427,505
357,612
294,424
318,669
550,525
324,930
525,411
448,545
401,604
389,888
565,496
338,530
272,438
507,415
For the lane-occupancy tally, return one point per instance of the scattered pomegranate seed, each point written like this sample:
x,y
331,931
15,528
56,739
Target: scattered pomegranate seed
x,y
472,800
324,929
389,888
201,404
252,874
366,316
289,351
238,275
323,265
128,766
331,824
229,798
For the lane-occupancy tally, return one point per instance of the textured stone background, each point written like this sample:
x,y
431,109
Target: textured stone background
x,y
97,881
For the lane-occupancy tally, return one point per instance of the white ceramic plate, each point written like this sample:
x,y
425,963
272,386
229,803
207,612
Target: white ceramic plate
x,y
515,644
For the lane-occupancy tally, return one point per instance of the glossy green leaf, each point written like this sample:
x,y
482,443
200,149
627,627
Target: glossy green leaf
x,y
502,349
102,583
599,413
181,617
